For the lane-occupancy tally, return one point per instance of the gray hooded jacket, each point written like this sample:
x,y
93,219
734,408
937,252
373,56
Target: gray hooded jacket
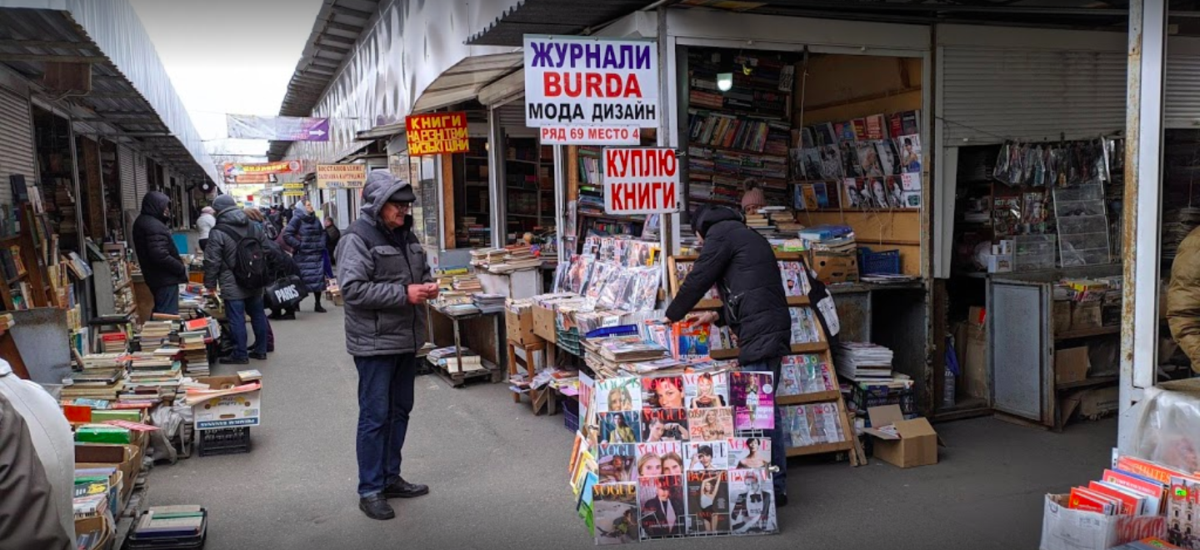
x,y
222,253
375,267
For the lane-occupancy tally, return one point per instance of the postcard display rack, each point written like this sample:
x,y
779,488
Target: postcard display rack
x,y
813,410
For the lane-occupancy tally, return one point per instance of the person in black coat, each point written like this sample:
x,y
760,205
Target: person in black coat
x,y
161,265
742,264
332,235
306,236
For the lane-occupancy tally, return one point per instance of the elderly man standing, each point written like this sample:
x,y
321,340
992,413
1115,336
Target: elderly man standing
x,y
385,281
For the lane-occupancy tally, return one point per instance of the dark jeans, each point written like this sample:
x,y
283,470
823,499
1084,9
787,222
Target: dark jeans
x,y
778,451
166,300
385,399
236,311
203,245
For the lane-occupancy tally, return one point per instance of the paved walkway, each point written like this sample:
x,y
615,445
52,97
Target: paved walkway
x,y
498,474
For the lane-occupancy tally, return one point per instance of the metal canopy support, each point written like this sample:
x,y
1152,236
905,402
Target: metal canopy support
x,y
1140,232
497,202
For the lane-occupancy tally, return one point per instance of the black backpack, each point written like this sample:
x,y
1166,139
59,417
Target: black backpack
x,y
250,268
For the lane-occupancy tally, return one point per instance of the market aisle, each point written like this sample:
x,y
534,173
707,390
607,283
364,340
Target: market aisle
x,y
498,474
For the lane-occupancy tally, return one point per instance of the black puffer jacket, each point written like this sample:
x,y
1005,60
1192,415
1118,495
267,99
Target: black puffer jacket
x,y
306,236
155,248
742,265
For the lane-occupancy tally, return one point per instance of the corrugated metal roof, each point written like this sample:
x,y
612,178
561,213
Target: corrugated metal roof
x,y
552,17
114,109
338,27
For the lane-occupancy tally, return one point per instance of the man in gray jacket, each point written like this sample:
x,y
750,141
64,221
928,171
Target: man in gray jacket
x,y
228,246
385,280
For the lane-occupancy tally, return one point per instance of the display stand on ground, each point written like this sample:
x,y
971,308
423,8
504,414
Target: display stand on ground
x,y
850,443
539,398
488,347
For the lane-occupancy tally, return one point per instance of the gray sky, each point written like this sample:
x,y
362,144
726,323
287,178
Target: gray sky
x,y
229,56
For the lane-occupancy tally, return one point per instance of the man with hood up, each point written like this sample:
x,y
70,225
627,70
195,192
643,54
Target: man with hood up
x,y
156,253
385,280
742,264
228,244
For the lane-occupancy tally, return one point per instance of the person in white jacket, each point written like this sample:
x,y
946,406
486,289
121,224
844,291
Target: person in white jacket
x,y
55,448
205,224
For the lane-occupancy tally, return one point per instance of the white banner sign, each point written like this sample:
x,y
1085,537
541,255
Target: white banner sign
x,y
641,180
582,81
590,135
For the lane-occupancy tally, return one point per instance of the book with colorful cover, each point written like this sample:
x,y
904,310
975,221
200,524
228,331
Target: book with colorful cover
x,y
615,513
664,425
711,424
752,508
690,340
1131,504
618,394
876,127
660,458
616,462
707,502
620,427
749,452
662,392
802,374
707,455
1152,489
663,508
753,397
706,390
1090,501
795,278
1145,468
1182,511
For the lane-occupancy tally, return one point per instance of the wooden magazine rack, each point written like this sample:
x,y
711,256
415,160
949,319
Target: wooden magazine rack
x,y
851,443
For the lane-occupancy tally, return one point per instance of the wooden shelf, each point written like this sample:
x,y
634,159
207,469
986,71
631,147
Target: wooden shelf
x,y
806,398
712,201
1087,383
1087,332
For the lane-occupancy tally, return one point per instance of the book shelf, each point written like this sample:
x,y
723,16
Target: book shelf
x,y
474,215
113,283
741,133
820,348
589,185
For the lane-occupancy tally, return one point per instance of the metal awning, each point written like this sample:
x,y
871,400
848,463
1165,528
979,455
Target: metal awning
x,y
465,79
552,17
131,100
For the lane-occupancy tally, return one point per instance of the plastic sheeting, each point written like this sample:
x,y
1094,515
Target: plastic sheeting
x,y
411,43
116,29
1168,425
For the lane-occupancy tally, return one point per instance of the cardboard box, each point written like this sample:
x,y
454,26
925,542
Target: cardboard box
x,y
519,325
1085,315
543,323
1062,316
1067,529
128,459
1071,365
231,411
95,524
914,443
975,373
1098,402
835,268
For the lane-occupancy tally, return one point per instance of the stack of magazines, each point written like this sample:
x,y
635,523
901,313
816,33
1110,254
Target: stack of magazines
x,y
863,361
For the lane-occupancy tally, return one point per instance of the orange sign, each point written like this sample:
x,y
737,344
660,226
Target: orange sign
x,y
244,169
437,133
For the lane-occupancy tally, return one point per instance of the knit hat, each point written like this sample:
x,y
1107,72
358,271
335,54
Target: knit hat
x,y
223,202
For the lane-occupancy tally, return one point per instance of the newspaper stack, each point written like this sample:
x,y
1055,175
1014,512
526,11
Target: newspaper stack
x,y
489,303
830,238
863,361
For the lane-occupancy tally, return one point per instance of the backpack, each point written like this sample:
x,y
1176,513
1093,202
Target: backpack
x,y
270,231
250,268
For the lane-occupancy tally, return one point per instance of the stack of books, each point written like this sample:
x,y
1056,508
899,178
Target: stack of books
x,y
195,352
467,283
516,258
830,238
489,303
100,383
170,527
155,334
863,361
114,341
152,378
485,257
759,222
102,361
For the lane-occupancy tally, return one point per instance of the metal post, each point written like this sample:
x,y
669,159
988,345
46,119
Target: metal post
x,y
75,181
560,201
666,222
1140,230
496,196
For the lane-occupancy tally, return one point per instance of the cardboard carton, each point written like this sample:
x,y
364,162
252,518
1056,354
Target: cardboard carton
x,y
1085,315
543,323
832,267
519,325
95,524
909,444
128,459
231,411
1067,529
1071,365
1062,316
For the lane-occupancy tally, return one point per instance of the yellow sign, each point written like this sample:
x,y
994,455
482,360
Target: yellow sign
x,y
341,176
293,186
288,193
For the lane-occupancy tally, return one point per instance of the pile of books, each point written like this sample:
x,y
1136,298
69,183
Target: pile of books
x,y
152,378
195,352
448,359
515,258
155,334
759,222
489,303
830,238
1137,487
93,485
467,283
863,361
114,341
170,527
485,257
96,383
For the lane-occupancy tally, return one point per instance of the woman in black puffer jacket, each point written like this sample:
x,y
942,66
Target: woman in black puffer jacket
x,y
306,236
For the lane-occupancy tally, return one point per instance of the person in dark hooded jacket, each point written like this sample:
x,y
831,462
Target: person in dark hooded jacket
x,y
385,280
161,265
233,225
742,264
306,236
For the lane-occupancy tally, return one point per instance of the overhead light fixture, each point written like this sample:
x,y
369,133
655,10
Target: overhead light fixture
x,y
724,81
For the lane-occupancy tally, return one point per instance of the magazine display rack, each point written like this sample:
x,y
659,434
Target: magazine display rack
x,y
801,401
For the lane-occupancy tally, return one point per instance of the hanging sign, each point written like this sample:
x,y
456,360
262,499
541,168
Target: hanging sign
x,y
291,193
573,81
341,176
643,180
437,133
251,178
293,186
277,128
262,168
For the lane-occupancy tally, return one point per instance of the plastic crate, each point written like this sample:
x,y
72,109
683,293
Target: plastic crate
x,y
570,419
223,441
863,398
881,263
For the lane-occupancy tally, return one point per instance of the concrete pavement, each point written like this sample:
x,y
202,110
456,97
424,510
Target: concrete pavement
x,y
498,475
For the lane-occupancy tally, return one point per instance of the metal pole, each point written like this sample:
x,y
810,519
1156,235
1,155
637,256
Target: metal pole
x,y
75,181
666,222
496,195
560,201
1142,203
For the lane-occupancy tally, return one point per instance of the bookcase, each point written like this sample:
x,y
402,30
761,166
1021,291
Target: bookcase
x,y
740,133
113,283
821,349
587,186
474,227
